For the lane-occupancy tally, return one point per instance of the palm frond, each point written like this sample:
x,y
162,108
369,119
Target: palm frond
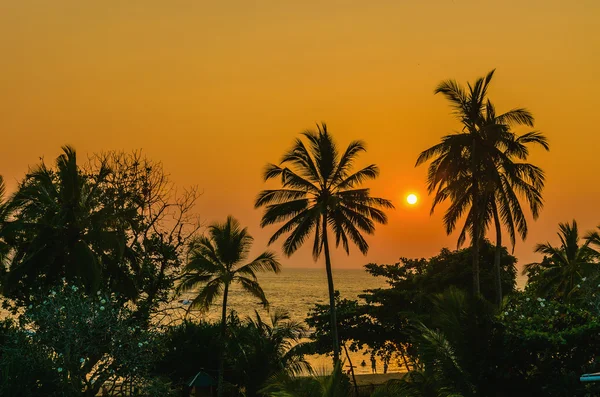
x,y
265,262
253,288
518,116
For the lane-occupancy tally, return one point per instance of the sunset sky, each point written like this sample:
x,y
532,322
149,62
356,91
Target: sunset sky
x,y
216,89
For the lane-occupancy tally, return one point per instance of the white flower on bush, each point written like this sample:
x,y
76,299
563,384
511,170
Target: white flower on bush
x,y
30,306
527,299
539,299
98,293
542,304
506,313
578,285
140,344
101,308
103,301
556,312
583,278
82,360
74,288
59,369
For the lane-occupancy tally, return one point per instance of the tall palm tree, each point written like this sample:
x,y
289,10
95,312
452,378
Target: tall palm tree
x,y
564,266
478,170
219,260
60,226
320,192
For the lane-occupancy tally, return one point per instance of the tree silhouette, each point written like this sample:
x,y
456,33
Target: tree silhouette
x,y
320,192
216,262
59,227
564,267
479,171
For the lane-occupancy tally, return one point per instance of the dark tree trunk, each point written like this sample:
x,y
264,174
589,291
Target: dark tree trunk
x,y
221,376
476,221
475,250
334,332
351,370
497,257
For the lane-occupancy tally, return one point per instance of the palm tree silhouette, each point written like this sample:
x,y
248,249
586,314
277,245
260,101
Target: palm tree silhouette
x,y
269,346
216,262
563,267
61,226
478,169
319,192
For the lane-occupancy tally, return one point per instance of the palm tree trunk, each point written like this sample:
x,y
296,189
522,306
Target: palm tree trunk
x,y
334,333
351,369
220,380
476,222
475,250
497,254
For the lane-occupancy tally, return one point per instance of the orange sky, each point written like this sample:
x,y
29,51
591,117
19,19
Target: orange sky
x,y
216,89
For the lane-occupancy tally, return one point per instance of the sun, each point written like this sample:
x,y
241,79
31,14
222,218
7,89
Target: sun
x,y
411,199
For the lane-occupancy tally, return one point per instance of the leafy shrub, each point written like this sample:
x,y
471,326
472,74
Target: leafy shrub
x,y
85,341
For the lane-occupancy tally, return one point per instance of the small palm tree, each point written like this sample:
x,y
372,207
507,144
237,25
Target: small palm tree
x,y
563,267
320,193
267,347
284,384
219,260
477,169
594,237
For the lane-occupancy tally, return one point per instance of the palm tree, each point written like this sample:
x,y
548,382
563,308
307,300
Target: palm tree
x,y
285,384
216,262
60,226
594,237
267,347
563,267
319,192
477,170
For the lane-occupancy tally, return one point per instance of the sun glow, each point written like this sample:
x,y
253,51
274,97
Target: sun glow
x,y
411,199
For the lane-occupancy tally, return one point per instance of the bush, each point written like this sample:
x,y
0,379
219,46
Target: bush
x,y
547,346
80,342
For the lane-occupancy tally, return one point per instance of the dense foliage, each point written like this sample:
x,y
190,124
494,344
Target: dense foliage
x,y
548,345
255,350
85,340
113,221
384,322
